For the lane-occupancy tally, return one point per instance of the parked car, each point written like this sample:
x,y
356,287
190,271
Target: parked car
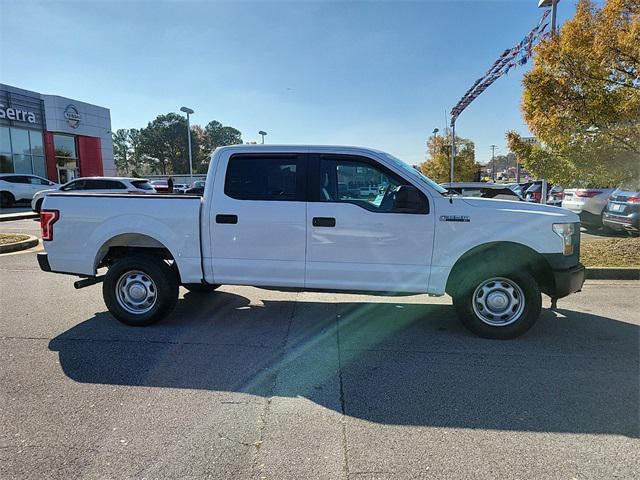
x,y
96,185
483,190
555,195
160,186
16,187
623,209
587,203
180,187
196,189
272,216
533,193
369,191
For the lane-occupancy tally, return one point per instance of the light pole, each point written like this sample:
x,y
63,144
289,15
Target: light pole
x,y
493,162
553,4
262,133
188,111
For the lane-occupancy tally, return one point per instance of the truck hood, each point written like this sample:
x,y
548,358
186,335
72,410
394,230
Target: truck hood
x,y
509,207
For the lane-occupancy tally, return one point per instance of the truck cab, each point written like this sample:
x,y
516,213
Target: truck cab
x,y
285,217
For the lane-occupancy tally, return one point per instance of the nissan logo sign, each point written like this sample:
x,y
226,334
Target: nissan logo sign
x,y
72,116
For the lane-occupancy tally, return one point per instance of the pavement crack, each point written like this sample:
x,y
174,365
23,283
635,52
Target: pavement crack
x,y
343,408
267,404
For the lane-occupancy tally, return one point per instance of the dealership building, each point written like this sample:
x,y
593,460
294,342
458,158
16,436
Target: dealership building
x,y
55,137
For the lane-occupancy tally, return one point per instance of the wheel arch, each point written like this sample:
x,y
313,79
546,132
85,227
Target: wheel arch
x,y
125,244
510,256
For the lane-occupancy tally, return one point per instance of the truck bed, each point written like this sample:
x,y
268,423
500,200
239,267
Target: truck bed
x,y
89,224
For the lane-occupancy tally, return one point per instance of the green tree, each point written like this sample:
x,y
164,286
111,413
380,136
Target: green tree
x,y
437,166
162,146
582,99
218,135
122,151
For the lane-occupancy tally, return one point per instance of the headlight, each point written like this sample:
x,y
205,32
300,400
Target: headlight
x,y
565,231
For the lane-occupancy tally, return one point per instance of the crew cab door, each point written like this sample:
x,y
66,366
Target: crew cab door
x,y
258,219
368,228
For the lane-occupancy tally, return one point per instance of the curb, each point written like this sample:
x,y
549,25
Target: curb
x,y
613,273
22,245
9,217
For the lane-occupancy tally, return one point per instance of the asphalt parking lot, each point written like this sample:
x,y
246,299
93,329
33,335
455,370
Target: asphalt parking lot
x,y
250,383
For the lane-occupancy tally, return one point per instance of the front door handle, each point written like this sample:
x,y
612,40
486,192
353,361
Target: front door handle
x,y
231,219
324,222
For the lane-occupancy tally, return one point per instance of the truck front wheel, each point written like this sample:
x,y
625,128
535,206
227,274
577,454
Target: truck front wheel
x,y
140,290
498,305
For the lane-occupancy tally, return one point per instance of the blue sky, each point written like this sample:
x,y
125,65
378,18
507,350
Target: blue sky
x,y
377,74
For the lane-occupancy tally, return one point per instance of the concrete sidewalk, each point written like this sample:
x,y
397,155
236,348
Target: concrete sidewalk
x,y
16,213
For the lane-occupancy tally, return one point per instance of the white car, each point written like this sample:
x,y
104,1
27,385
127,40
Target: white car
x,y
96,185
18,187
587,203
273,216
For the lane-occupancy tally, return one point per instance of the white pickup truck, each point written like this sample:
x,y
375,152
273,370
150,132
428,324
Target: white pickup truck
x,y
287,217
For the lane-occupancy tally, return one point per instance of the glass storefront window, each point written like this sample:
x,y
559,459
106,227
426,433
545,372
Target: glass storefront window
x,y
20,141
5,140
22,164
65,146
39,166
37,148
22,151
6,163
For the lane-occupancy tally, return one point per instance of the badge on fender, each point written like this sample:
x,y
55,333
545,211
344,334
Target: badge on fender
x,y
455,218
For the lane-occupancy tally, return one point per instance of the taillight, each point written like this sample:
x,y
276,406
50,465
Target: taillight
x,y
634,199
47,219
588,193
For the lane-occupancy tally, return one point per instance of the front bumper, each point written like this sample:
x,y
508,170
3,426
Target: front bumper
x,y
567,281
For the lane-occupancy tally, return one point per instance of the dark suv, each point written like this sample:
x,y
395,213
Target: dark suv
x,y
623,209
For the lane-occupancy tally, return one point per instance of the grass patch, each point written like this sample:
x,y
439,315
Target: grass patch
x,y
612,252
12,238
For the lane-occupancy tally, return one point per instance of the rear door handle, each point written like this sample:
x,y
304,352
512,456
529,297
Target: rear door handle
x,y
231,219
324,222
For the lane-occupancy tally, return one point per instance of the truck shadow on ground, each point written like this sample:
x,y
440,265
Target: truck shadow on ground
x,y
390,363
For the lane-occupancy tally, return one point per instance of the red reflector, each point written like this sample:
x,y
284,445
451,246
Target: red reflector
x,y
47,219
633,199
588,193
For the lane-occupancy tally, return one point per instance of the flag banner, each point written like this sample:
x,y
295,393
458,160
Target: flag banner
x,y
510,58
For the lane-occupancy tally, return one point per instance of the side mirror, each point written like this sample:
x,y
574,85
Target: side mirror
x,y
408,199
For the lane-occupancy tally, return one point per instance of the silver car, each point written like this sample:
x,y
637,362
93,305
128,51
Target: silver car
x,y
588,203
96,185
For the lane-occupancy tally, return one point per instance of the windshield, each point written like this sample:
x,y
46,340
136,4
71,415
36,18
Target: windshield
x,y
416,174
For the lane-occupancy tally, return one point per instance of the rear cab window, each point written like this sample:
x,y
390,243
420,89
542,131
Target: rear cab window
x,y
272,177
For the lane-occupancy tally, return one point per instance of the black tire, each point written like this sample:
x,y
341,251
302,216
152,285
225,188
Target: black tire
x,y
463,301
7,199
200,287
153,268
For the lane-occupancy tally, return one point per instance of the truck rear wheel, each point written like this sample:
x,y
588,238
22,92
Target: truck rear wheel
x,y
498,305
140,290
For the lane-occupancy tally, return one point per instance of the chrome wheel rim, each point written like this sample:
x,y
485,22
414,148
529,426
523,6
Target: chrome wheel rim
x,y
136,292
498,302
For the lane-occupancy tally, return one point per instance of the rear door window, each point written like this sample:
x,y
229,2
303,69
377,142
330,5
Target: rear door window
x,y
17,179
266,177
